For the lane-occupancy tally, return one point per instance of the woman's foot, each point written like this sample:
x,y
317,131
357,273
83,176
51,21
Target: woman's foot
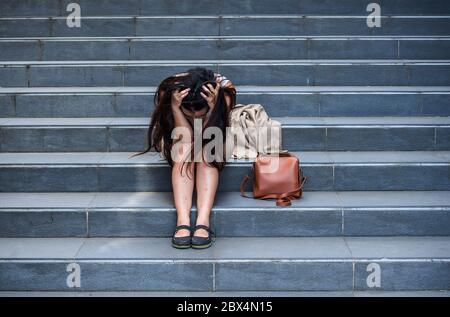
x,y
182,232
182,237
201,238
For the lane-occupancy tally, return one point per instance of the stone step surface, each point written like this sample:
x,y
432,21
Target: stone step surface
x,y
47,8
228,294
223,48
152,214
111,134
118,172
225,25
353,101
234,264
243,72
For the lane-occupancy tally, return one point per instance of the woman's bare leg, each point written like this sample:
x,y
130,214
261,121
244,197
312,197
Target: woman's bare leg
x,y
207,179
183,188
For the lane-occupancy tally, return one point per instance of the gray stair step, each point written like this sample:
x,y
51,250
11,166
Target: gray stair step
x,y
228,294
232,264
243,72
347,101
48,8
228,25
117,172
299,134
225,48
152,214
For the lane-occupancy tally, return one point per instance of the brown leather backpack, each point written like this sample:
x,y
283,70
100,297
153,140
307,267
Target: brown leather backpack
x,y
284,183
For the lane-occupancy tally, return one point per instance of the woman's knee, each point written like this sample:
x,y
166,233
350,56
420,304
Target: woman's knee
x,y
180,152
206,168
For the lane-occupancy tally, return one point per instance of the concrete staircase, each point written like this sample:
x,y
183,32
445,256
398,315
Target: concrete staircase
x,y
367,111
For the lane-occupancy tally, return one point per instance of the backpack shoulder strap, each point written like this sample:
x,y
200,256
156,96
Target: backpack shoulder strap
x,y
243,184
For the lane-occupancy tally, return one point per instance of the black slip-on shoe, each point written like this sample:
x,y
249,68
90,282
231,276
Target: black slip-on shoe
x,y
201,242
183,242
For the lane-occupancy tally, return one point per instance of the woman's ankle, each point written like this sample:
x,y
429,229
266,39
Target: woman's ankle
x,y
183,218
185,222
201,221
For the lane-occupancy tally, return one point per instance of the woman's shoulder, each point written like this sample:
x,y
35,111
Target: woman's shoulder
x,y
224,81
231,89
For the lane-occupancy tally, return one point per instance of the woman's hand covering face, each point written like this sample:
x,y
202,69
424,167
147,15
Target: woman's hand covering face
x,y
210,94
178,96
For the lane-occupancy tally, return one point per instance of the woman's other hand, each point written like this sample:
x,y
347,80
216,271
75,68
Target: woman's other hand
x,y
210,94
178,96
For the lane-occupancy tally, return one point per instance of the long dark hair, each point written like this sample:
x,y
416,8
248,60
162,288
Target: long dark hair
x,y
162,121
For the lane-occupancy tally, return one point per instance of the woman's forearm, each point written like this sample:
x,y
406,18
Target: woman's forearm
x,y
179,118
180,121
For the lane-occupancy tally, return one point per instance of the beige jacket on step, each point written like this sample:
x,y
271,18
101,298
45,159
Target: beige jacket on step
x,y
254,132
